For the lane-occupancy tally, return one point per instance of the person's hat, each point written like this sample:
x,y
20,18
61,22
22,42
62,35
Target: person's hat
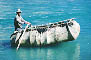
x,y
18,11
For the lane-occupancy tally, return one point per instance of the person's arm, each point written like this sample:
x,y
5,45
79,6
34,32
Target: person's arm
x,y
19,21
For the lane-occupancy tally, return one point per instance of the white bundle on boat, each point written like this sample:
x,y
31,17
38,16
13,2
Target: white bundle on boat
x,y
25,37
61,33
74,29
38,38
32,36
50,35
43,37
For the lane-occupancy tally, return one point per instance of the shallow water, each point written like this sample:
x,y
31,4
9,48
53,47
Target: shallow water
x,y
43,12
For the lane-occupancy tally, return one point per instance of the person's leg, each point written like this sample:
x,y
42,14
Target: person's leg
x,y
20,32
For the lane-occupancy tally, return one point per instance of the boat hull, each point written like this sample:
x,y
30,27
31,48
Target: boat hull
x,y
47,35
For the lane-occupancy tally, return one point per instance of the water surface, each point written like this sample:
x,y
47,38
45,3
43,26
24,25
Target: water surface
x,y
43,12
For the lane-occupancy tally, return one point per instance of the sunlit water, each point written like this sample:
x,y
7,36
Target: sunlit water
x,y
43,12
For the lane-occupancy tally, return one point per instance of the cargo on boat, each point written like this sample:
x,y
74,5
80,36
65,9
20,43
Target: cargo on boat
x,y
52,33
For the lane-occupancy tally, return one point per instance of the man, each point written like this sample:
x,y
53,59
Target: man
x,y
18,21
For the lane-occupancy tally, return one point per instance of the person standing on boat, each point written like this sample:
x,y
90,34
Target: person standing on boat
x,y
18,21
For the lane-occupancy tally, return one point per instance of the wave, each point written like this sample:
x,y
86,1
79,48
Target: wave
x,y
43,12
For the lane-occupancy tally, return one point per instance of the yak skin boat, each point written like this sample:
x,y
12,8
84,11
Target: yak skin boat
x,y
52,33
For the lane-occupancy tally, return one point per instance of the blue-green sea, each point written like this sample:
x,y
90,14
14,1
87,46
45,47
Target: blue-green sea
x,y
40,12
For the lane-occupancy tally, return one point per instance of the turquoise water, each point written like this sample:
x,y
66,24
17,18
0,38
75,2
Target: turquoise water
x,y
42,12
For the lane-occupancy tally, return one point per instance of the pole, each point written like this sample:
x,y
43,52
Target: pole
x,y
22,37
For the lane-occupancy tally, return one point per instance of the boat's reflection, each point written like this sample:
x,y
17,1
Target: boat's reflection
x,y
63,51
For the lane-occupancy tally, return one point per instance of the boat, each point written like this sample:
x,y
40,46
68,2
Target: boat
x,y
42,35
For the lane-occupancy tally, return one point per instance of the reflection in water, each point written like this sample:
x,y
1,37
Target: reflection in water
x,y
64,51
